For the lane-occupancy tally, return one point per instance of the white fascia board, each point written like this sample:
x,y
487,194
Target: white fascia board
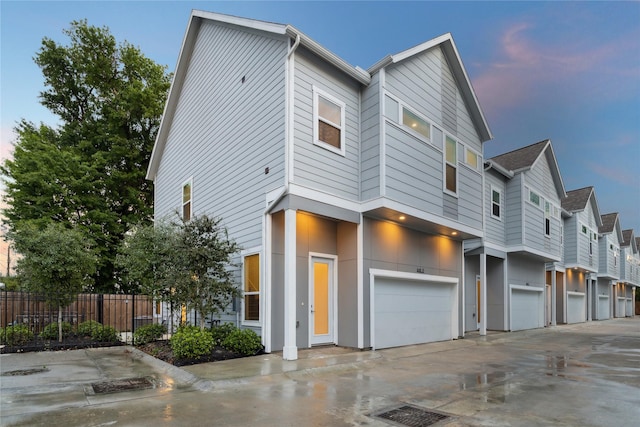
x,y
541,254
270,27
355,72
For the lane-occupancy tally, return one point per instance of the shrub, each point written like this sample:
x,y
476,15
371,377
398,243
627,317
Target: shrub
x,y
243,341
50,332
105,334
147,333
16,335
220,333
191,342
85,329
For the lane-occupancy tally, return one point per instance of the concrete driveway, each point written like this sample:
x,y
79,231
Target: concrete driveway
x,y
577,375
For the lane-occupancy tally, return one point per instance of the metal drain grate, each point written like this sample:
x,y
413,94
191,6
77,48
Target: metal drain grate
x,y
116,386
412,416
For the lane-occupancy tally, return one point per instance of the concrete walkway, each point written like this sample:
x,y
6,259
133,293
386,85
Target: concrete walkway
x,y
586,374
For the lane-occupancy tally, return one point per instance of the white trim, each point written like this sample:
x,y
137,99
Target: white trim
x,y
527,288
256,250
317,93
418,277
189,182
290,118
478,168
445,162
265,296
536,289
360,279
333,295
500,204
383,133
524,248
290,349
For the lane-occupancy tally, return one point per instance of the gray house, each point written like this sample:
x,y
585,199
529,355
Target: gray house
x,y
610,236
351,191
523,232
581,260
625,290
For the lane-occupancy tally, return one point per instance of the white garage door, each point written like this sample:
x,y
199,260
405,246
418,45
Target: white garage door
x,y
527,307
411,310
603,307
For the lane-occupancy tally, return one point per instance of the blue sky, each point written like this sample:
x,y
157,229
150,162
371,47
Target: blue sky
x,y
568,71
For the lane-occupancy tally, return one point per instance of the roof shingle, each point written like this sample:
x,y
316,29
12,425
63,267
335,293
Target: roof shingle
x,y
522,157
576,200
608,223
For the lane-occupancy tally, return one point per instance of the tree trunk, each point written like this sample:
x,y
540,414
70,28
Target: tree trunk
x,y
60,324
202,323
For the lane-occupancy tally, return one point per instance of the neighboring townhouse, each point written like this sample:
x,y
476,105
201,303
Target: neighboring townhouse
x,y
624,292
581,261
523,232
609,238
351,192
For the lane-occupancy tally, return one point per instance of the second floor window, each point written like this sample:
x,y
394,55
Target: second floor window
x,y
547,219
495,203
329,118
451,165
186,201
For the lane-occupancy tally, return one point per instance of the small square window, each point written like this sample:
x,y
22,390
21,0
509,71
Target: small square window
x,y
471,159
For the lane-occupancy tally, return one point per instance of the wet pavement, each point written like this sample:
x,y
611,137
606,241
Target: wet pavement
x,y
586,374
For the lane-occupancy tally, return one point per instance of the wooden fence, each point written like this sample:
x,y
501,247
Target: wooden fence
x,y
123,312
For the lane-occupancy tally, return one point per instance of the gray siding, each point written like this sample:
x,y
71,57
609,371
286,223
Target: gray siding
x,y
314,166
523,270
226,160
608,264
496,298
513,204
571,240
495,229
370,152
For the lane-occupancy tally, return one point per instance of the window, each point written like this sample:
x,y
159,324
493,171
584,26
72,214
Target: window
x,y
416,123
186,201
584,229
252,288
534,198
329,118
451,165
547,219
495,203
471,158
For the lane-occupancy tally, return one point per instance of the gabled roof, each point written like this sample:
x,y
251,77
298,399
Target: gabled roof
x,y
627,238
611,224
638,243
525,158
578,200
188,42
450,51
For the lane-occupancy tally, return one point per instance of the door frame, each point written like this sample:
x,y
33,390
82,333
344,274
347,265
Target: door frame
x,y
478,301
333,298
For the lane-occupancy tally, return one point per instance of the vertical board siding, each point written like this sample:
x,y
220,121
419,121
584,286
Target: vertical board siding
x,y
370,140
225,132
316,167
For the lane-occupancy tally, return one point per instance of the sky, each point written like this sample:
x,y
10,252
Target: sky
x,y
566,71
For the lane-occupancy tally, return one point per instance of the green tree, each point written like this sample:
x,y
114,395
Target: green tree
x,y
57,262
89,172
187,263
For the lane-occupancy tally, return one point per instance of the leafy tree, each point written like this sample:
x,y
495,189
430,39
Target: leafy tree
x,y
56,262
187,263
89,172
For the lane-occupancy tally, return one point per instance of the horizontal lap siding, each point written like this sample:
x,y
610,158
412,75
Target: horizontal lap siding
x,y
414,168
413,171
225,133
316,167
370,157
513,210
570,240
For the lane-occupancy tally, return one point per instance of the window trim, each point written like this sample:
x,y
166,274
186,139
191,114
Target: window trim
x,y
446,162
402,107
245,254
548,213
496,190
466,149
529,193
188,182
317,93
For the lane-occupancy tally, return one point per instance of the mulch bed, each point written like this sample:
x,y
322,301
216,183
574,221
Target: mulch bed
x,y
68,343
162,350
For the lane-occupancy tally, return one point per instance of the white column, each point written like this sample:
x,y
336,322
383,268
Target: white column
x,y
554,307
589,297
483,294
290,350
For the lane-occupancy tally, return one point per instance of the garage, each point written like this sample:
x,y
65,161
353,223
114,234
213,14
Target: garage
x,y
527,307
410,308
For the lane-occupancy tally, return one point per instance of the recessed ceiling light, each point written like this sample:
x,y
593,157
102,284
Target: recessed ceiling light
x,y
401,217
454,233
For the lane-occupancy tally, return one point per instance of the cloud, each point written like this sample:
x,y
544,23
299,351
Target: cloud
x,y
527,68
615,174
7,138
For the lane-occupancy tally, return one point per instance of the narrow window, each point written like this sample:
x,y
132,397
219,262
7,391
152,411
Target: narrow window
x,y
252,288
329,118
451,165
186,201
495,203
416,123
547,219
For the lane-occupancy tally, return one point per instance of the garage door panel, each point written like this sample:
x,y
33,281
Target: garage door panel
x,y
412,312
527,309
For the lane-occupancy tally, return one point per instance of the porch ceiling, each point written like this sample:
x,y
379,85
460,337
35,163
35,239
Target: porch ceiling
x,y
419,224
